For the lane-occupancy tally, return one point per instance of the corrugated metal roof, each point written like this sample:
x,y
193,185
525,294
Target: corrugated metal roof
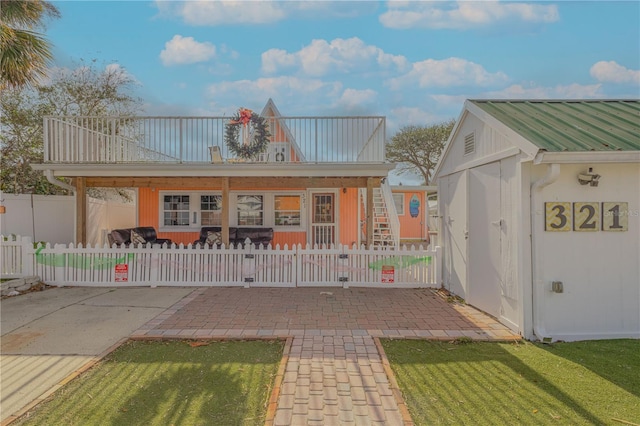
x,y
571,125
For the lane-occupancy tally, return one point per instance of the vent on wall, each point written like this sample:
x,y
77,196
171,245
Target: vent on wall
x,y
469,143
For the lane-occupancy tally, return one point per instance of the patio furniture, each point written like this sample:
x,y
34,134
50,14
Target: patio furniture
x,y
212,235
140,235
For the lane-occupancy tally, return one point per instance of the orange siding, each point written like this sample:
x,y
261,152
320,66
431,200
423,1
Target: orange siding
x,y
413,228
410,227
149,210
348,216
289,238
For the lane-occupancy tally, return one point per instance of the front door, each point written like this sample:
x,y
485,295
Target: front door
x,y
323,218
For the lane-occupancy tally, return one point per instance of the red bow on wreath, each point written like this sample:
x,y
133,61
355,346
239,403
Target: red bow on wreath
x,y
244,115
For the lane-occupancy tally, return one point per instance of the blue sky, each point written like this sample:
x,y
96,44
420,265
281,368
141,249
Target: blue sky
x,y
413,62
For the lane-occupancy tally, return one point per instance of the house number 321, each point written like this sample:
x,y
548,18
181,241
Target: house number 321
x,y
586,216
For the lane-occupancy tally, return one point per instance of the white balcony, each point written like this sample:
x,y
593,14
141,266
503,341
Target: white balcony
x,y
176,140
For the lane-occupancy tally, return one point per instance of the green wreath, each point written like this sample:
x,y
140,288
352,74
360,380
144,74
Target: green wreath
x,y
258,134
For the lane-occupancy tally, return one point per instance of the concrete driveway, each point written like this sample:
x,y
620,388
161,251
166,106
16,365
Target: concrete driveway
x,y
49,335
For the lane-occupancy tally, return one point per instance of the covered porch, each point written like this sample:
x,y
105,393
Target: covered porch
x,y
341,158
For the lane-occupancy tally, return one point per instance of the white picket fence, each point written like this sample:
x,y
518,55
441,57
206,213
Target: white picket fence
x,y
244,266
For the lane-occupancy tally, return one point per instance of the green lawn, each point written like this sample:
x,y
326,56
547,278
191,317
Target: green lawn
x,y
581,383
169,383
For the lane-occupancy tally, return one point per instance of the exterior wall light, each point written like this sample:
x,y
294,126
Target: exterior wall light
x,y
589,178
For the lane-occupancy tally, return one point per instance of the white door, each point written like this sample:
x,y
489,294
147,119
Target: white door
x,y
323,218
453,201
484,239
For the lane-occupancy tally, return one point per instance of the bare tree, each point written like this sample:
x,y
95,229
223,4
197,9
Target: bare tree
x,y
418,148
85,90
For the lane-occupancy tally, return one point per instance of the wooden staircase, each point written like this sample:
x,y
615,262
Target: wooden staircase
x,y
382,231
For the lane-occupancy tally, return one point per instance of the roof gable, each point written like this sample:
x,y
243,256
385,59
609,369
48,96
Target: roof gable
x,y
570,125
271,111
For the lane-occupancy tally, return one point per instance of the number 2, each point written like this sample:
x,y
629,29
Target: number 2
x,y
585,216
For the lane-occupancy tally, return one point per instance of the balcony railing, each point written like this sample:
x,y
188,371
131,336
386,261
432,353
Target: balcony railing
x,y
111,140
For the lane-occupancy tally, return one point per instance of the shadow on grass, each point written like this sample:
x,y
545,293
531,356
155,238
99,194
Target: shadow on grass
x,y
171,383
483,383
617,361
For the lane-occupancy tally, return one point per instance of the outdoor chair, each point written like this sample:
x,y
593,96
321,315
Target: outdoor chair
x,y
141,235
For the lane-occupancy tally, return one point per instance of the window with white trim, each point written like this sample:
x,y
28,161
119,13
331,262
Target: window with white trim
x,y
398,200
175,210
287,210
250,210
211,210
190,211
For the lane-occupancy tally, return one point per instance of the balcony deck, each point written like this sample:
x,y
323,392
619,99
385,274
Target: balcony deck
x,y
190,140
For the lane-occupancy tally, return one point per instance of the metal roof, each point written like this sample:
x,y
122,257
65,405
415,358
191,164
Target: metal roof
x,y
571,125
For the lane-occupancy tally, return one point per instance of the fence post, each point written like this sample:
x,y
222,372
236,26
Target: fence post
x,y
297,263
154,265
60,260
438,265
27,256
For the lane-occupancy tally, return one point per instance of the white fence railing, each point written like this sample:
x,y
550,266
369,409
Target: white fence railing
x,y
12,253
114,140
244,266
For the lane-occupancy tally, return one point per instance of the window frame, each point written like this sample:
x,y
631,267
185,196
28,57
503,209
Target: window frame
x,y
401,194
194,207
301,225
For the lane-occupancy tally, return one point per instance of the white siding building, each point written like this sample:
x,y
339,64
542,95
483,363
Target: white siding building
x,y
540,205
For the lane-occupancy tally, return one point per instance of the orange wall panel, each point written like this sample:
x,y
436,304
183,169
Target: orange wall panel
x,y
148,212
414,228
348,216
289,238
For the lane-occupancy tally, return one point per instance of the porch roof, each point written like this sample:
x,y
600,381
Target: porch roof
x,y
262,170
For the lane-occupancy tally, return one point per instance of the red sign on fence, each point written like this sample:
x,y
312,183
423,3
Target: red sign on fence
x,y
122,273
388,274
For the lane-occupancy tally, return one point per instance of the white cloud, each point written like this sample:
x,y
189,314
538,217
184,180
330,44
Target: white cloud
x,y
276,87
406,116
352,99
447,73
571,91
185,50
340,55
226,12
464,14
218,12
612,72
450,102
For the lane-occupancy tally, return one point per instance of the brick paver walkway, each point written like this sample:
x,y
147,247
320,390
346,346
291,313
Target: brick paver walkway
x,y
335,373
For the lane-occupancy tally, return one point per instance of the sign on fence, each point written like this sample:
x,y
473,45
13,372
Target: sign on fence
x,y
121,273
388,274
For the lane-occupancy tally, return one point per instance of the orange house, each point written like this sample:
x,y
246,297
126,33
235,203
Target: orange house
x,y
320,180
416,207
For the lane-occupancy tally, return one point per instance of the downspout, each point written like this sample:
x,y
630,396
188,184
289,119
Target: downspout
x,y
49,175
537,224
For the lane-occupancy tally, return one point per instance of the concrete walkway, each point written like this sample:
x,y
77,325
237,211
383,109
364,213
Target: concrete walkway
x,y
51,336
335,372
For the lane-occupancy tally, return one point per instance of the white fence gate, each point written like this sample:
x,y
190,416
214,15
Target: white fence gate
x,y
243,266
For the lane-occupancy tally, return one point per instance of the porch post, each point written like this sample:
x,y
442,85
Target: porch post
x,y
370,216
81,211
226,205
